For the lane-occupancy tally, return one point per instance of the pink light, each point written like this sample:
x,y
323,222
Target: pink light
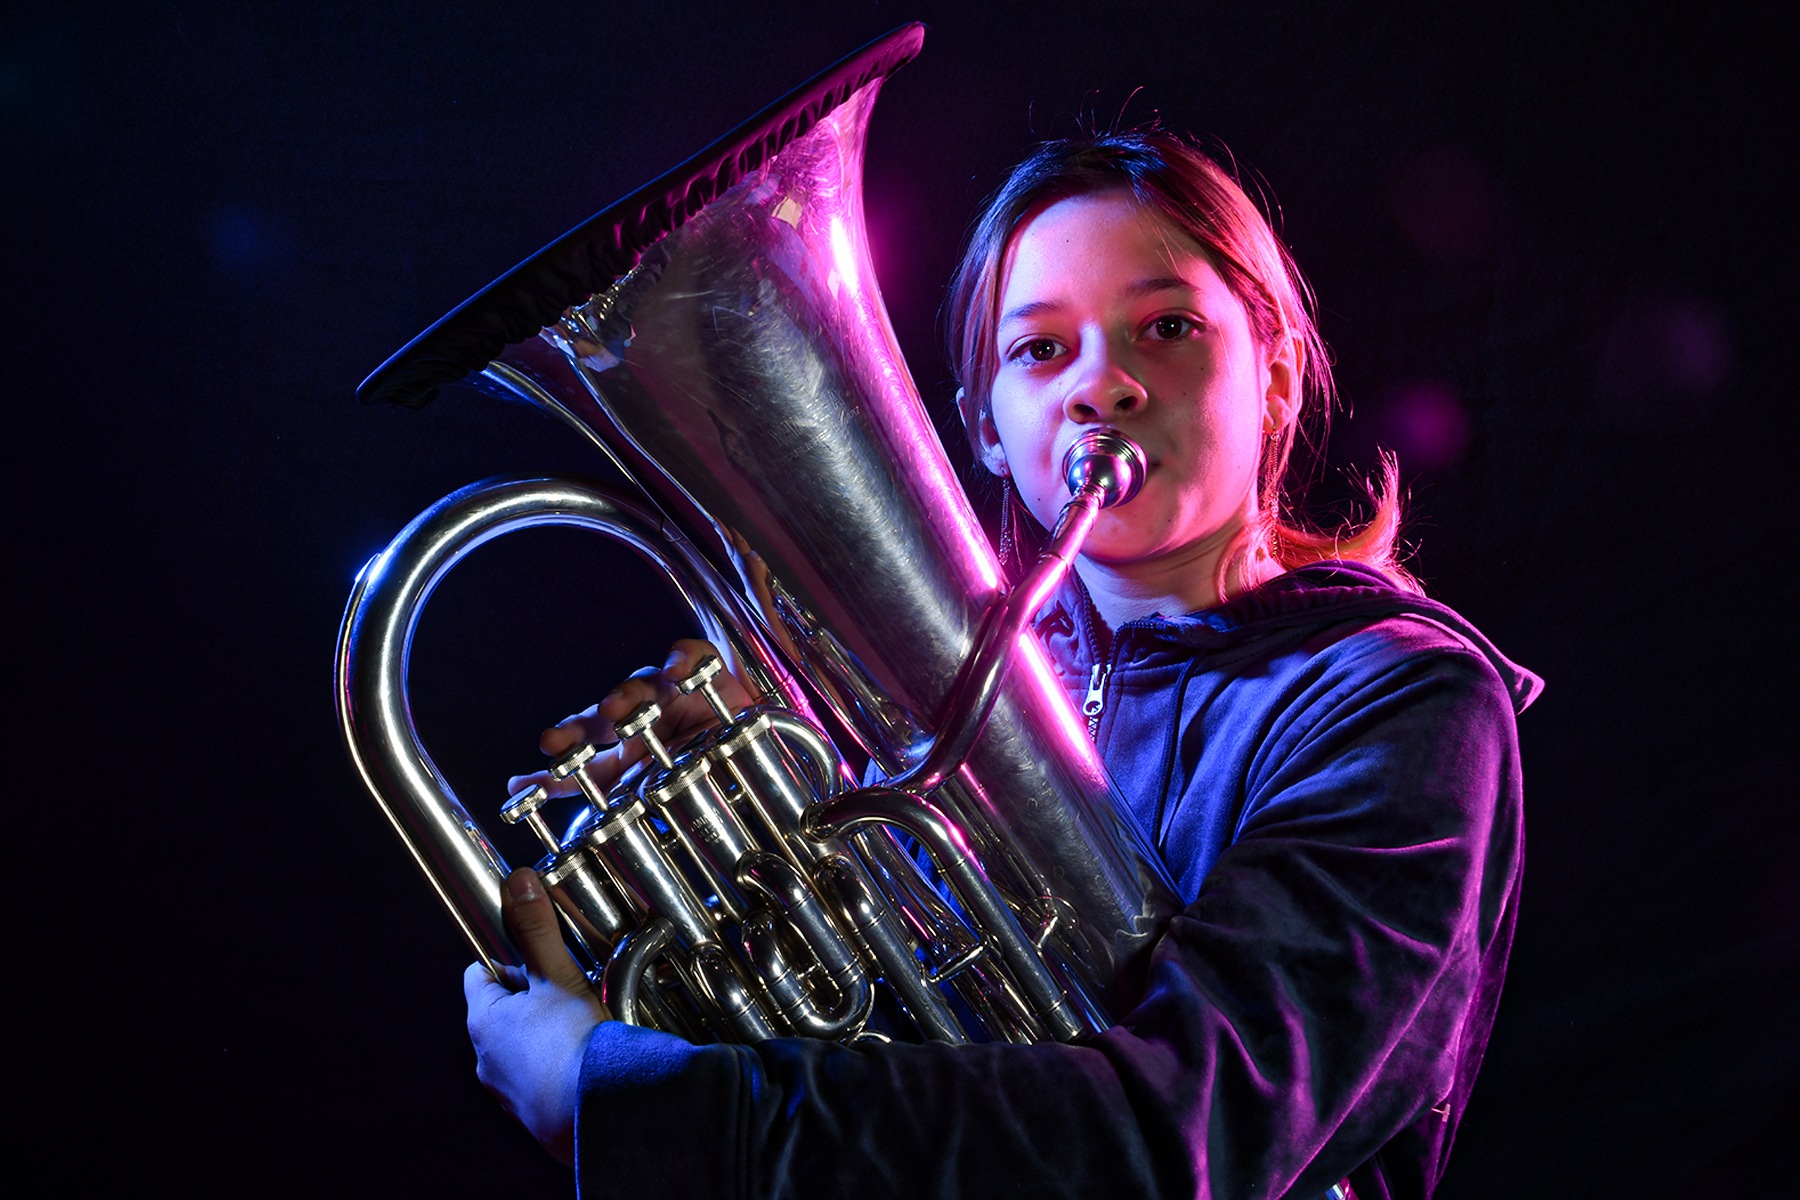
x,y
843,256
980,553
1043,677
922,450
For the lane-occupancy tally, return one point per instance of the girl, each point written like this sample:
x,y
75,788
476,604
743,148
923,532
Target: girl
x,y
1326,760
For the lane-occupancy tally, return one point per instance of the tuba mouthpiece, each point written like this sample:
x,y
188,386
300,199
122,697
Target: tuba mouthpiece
x,y
1107,462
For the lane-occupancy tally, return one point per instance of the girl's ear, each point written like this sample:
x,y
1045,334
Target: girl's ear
x,y
1281,400
979,419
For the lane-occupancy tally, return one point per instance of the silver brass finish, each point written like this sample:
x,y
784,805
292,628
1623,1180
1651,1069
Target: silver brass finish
x,y
795,495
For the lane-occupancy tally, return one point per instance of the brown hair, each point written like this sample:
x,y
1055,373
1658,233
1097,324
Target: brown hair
x,y
1171,176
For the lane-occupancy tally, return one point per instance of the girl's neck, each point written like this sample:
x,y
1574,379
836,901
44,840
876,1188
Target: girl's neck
x,y
1183,581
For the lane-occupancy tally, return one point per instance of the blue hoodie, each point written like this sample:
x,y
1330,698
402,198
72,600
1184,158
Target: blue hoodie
x,y
1330,769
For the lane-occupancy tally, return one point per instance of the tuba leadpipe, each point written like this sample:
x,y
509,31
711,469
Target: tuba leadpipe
x,y
719,336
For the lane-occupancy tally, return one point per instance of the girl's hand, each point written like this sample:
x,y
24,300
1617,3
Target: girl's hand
x,y
682,717
531,1026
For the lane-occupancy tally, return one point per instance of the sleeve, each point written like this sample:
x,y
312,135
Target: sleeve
x,y
1318,1010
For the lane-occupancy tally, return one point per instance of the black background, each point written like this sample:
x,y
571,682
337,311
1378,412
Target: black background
x,y
1560,241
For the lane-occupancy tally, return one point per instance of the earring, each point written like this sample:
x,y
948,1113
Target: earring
x,y
1017,549
1008,530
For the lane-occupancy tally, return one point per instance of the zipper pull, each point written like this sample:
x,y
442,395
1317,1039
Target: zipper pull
x,y
1096,699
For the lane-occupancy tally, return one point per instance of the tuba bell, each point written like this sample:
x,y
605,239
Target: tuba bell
x,y
718,335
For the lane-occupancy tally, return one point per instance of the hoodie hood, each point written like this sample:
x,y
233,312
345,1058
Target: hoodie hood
x,y
1282,613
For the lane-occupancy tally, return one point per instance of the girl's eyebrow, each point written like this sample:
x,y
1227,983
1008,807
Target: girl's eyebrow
x,y
1162,283
1033,308
1143,287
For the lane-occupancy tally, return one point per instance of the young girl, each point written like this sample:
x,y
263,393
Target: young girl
x,y
1326,760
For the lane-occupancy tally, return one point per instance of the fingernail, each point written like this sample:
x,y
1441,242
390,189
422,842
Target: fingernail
x,y
524,886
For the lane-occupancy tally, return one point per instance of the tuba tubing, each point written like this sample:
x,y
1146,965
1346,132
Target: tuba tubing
x,y
451,848
720,337
375,643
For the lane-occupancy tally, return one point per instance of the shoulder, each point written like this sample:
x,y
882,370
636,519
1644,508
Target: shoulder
x,y
1330,705
1402,675
1404,644
1348,620
1401,690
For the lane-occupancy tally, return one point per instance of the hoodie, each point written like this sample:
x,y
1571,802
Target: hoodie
x,y
1330,769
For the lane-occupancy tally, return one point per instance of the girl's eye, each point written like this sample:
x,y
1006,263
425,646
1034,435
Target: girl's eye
x,y
1168,329
1038,350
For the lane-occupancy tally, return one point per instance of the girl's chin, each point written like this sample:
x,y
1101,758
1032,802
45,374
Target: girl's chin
x,y
1123,547
1121,552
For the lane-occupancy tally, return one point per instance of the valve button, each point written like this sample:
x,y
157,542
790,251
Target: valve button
x,y
524,804
573,761
704,672
639,721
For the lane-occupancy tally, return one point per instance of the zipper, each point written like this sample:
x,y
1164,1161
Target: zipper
x,y
1104,645
1095,703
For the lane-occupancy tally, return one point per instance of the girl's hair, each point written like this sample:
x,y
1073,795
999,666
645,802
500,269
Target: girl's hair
x,y
1169,175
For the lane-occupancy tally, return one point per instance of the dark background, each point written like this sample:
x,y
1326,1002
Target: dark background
x,y
1553,254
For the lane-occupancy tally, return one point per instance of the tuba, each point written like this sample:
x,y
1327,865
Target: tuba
x,y
718,336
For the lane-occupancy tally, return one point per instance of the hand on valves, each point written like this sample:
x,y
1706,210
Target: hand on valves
x,y
682,717
530,1027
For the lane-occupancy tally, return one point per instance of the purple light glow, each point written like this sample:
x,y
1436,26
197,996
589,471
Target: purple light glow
x,y
1426,425
1665,361
1446,205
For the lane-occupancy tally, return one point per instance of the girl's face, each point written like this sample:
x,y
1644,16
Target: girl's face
x,y
1109,315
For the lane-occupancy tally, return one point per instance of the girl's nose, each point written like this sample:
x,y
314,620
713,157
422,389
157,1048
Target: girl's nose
x,y
1104,391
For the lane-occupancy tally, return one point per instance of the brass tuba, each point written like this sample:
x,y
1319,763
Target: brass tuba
x,y
719,336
